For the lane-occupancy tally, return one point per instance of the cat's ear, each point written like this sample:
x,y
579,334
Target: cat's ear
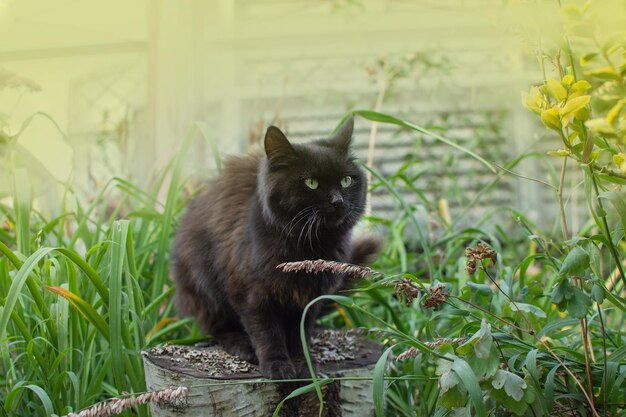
x,y
276,143
343,136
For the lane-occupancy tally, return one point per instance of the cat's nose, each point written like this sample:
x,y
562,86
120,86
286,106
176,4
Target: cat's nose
x,y
336,200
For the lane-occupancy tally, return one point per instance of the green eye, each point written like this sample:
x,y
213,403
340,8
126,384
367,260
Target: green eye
x,y
311,183
346,181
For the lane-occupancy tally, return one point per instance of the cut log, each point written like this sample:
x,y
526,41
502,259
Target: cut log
x,y
222,385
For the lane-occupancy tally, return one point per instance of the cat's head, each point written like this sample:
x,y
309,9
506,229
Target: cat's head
x,y
317,182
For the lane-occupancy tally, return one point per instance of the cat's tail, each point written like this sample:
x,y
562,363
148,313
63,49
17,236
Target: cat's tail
x,y
365,249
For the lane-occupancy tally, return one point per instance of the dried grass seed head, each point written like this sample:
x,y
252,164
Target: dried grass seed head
x,y
479,253
321,265
408,288
436,296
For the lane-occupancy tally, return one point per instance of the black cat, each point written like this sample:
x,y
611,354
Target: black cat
x,y
296,202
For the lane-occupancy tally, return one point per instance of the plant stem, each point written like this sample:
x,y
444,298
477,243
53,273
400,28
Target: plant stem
x,y
604,377
607,231
585,340
559,195
583,323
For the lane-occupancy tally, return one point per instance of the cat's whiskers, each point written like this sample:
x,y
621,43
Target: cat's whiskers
x,y
304,229
301,223
317,227
294,221
313,223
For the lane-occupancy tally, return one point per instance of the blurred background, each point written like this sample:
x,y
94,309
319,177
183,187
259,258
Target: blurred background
x,y
122,82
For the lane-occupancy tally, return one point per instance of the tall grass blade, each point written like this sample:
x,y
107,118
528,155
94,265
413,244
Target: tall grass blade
x,y
305,348
22,190
85,309
301,391
119,238
378,386
16,286
385,118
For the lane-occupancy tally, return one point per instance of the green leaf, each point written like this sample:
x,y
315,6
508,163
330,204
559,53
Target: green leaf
x,y
612,179
444,365
531,364
471,384
575,263
528,308
507,402
550,387
454,397
597,293
481,342
578,303
571,298
378,385
448,380
482,348
558,294
514,386
484,368
480,288
618,200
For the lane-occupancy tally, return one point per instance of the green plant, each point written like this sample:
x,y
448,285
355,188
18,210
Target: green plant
x,y
536,331
82,293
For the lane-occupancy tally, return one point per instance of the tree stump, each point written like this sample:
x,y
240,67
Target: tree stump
x,y
222,385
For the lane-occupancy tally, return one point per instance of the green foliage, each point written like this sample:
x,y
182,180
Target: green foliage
x,y
539,331
77,292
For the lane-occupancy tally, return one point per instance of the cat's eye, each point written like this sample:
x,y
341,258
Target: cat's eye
x,y
311,183
346,181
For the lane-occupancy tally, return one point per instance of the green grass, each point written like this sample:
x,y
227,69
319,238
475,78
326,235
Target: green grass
x,y
83,293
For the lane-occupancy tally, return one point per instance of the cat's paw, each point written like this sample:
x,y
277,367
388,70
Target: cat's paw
x,y
278,369
238,344
248,355
302,369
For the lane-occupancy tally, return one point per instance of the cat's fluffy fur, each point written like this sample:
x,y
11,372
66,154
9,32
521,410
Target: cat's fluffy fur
x,y
258,213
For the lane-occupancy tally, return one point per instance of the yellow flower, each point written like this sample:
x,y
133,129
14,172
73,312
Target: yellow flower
x,y
551,120
534,100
